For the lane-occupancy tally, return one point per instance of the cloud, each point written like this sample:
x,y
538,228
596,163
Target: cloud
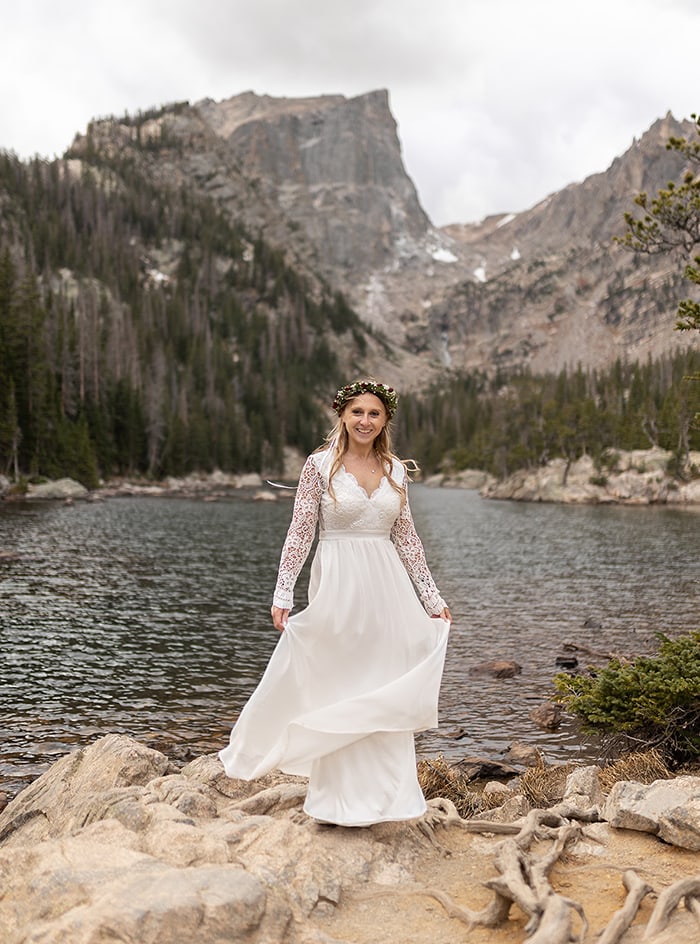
x,y
498,102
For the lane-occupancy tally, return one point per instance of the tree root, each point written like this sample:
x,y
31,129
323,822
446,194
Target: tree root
x,y
668,901
622,919
523,878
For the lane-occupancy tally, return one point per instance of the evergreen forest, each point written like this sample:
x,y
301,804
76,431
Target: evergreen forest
x,y
144,333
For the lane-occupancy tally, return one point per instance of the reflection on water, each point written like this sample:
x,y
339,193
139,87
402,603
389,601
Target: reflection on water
x,y
151,616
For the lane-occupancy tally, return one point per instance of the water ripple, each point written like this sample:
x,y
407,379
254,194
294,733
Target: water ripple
x,y
150,617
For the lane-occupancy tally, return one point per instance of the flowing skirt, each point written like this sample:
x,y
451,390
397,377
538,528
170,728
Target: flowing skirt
x,y
353,676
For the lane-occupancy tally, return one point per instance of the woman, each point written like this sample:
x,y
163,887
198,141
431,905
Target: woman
x,y
358,671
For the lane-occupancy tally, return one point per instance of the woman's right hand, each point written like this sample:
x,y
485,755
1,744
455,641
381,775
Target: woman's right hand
x,y
279,618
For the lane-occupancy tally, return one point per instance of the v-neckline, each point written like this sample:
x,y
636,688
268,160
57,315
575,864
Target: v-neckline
x,y
361,487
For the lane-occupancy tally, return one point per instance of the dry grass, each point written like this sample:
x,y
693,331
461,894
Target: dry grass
x,y
642,766
438,779
542,785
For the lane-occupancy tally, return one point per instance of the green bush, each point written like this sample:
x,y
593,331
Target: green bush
x,y
653,699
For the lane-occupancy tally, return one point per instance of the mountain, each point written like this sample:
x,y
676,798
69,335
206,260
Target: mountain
x,y
323,179
185,288
550,288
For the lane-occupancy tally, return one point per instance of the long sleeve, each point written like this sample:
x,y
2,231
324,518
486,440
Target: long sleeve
x,y
300,535
412,555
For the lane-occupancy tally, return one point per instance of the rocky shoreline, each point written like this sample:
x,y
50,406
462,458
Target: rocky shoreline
x,y
114,842
640,477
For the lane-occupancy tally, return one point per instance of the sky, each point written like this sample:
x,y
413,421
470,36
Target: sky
x,y
498,102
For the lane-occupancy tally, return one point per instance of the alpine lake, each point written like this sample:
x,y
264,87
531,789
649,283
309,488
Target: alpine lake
x,y
150,616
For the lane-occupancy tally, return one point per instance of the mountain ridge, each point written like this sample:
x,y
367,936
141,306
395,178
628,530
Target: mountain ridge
x,y
323,179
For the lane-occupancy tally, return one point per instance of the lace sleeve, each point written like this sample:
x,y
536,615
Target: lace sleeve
x,y
410,550
300,535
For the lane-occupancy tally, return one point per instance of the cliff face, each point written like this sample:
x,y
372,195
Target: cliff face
x,y
331,165
323,178
549,287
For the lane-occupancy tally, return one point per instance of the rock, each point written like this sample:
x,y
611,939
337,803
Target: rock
x,y
249,480
687,494
548,715
479,768
60,489
85,777
113,843
5,485
668,808
495,786
90,891
583,788
638,477
522,754
515,808
472,479
498,668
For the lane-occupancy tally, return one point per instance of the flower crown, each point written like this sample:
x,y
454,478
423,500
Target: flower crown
x,y
387,395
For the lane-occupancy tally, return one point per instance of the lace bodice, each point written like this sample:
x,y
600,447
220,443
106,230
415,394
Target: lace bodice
x,y
352,510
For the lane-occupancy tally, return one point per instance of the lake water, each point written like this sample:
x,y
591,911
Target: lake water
x,y
150,616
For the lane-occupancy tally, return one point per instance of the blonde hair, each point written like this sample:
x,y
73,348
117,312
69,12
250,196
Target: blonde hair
x,y
338,440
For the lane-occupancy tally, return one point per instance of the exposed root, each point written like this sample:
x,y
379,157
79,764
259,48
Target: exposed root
x,y
523,878
668,901
283,796
637,889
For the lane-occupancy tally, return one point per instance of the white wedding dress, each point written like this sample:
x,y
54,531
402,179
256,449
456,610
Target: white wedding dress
x,y
356,672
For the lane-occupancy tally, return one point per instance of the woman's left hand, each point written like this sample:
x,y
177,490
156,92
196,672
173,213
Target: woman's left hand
x,y
444,615
279,618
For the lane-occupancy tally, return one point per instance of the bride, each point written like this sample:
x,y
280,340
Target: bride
x,y
357,671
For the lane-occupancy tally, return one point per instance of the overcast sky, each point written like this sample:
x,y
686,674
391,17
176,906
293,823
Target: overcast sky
x,y
498,102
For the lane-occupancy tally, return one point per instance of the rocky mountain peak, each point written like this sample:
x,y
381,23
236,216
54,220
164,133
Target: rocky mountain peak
x,y
331,165
323,178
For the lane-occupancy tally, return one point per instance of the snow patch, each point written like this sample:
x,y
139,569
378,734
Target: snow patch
x,y
480,273
515,253
443,255
508,218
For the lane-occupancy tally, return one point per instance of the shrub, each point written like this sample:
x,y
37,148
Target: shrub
x,y
652,699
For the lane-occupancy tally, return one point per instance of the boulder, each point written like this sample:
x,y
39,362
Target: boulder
x,y
472,479
497,668
638,477
249,480
60,489
114,843
481,768
686,494
523,754
264,495
547,716
583,788
668,808
514,809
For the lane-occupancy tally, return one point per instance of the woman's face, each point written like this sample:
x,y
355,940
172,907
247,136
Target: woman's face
x,y
364,418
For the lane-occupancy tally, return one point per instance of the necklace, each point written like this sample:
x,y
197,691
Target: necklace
x,y
371,461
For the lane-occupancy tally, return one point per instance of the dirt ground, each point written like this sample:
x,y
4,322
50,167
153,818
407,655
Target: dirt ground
x,y
593,879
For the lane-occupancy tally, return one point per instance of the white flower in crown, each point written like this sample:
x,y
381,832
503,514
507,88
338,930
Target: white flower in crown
x,y
387,395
